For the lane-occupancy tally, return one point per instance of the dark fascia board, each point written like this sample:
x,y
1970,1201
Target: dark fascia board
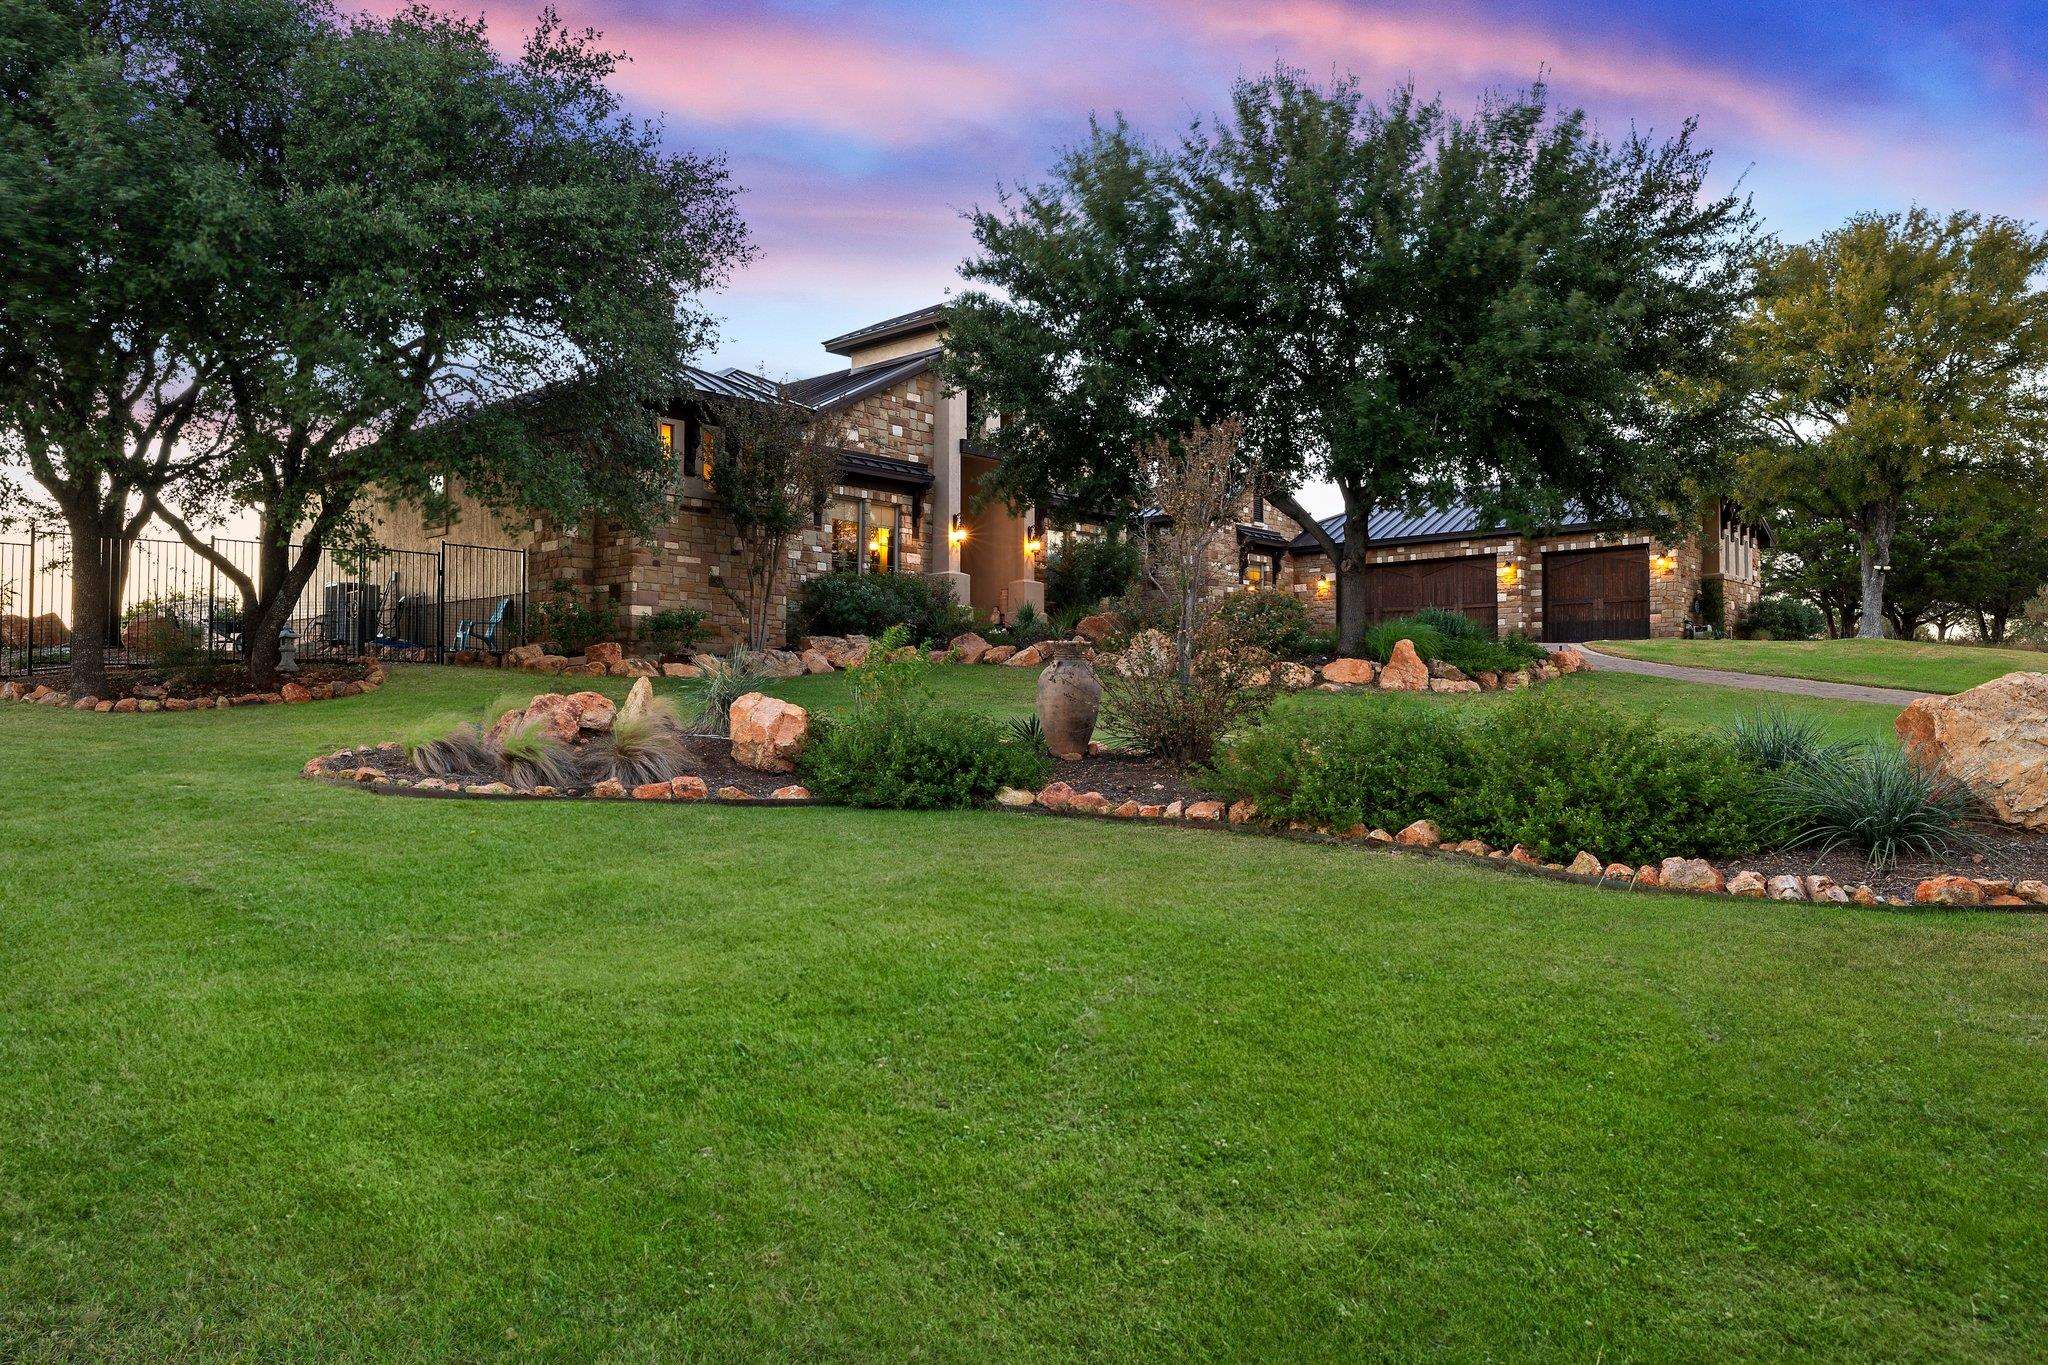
x,y
876,332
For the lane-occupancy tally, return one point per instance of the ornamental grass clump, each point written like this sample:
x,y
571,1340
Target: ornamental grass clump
x,y
1772,741
642,747
531,757
442,748
722,684
1875,800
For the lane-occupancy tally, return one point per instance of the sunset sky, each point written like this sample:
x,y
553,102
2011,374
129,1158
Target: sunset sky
x,y
860,131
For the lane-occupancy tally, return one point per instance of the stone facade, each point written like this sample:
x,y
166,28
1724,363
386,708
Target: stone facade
x,y
1678,566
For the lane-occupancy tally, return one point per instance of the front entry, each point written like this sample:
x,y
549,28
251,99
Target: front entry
x,y
1596,595
1464,585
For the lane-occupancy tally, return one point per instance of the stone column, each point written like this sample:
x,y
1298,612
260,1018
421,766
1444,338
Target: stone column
x,y
942,558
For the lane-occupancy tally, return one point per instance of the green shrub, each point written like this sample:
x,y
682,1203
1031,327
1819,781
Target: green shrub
x,y
1554,774
1269,620
1381,763
1379,640
896,749
1452,638
1562,775
571,622
1875,800
1082,573
673,631
848,603
1028,626
1452,625
1780,618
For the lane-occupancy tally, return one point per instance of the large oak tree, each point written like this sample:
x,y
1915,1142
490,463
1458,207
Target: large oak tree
x,y
1895,359
427,231
1502,308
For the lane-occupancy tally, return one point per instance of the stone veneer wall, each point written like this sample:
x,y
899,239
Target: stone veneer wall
x,y
680,562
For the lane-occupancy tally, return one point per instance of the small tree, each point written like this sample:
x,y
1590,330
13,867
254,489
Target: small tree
x,y
1191,482
771,468
1890,359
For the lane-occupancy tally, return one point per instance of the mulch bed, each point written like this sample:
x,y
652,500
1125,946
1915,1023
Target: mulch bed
x,y
1124,776
710,759
1998,852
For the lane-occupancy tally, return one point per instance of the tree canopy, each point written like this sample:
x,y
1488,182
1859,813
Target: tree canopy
x,y
1502,308
1900,355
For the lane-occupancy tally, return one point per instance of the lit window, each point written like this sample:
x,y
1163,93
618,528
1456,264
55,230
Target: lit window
x,y
668,438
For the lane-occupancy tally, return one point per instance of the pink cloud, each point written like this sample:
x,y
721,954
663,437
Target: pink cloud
x,y
1440,45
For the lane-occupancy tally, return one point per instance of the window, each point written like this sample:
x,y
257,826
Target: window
x,y
862,537
697,448
668,438
1259,568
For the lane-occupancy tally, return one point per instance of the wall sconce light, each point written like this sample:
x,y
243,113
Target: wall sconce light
x,y
1032,546
956,535
1510,574
1326,587
1664,563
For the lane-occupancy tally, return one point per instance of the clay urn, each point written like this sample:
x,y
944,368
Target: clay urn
x,y
1069,699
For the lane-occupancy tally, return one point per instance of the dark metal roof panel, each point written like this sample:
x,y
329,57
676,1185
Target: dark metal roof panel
x,y
1452,522
878,331
887,468
844,386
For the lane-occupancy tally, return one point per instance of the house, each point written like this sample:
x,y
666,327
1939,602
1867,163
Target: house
x,y
1572,582
905,504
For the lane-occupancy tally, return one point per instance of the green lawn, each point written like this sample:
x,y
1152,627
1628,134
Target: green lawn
x,y
294,1071
1878,663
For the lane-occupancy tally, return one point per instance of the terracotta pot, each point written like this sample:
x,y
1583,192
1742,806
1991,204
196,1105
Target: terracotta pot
x,y
1069,699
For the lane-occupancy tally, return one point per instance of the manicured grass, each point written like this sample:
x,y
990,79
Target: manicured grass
x,y
1909,664
300,1072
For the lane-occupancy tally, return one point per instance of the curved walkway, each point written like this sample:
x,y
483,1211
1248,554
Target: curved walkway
x,y
1759,682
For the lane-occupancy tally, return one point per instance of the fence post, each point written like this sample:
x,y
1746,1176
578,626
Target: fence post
x,y
525,589
30,666
212,599
441,603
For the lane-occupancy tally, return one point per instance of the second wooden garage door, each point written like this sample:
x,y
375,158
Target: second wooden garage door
x,y
1596,595
1464,585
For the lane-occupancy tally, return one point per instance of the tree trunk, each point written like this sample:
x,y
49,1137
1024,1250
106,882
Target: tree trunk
x,y
1351,603
279,585
92,608
1874,556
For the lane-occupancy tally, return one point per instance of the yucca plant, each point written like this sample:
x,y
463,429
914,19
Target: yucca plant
x,y
644,746
1027,731
723,684
531,757
442,748
1775,740
1875,800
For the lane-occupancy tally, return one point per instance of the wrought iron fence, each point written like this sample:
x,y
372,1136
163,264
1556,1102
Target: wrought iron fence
x,y
420,605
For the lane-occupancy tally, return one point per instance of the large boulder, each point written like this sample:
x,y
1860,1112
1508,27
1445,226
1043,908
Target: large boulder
x,y
767,733
970,647
1029,657
1097,628
607,653
566,719
1404,670
1349,672
1992,740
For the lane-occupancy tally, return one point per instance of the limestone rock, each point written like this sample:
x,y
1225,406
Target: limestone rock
x,y
1947,890
688,787
1205,810
767,733
1404,670
1586,865
1746,883
1293,677
1571,659
1690,874
605,654
1029,657
681,671
793,792
1349,672
1016,798
1992,740
1056,796
970,647
999,654
1421,834
1784,888
1097,628
815,661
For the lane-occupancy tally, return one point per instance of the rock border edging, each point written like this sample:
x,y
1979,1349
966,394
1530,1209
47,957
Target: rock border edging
x,y
291,694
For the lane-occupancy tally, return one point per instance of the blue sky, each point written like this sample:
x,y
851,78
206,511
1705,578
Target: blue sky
x,y
861,131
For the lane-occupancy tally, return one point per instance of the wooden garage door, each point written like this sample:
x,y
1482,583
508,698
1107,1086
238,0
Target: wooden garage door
x,y
1596,595
1462,585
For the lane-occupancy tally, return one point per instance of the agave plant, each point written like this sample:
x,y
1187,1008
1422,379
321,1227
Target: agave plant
x,y
644,746
437,749
1027,731
1875,800
531,757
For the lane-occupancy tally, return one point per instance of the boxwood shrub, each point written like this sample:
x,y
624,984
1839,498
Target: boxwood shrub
x,y
1554,774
